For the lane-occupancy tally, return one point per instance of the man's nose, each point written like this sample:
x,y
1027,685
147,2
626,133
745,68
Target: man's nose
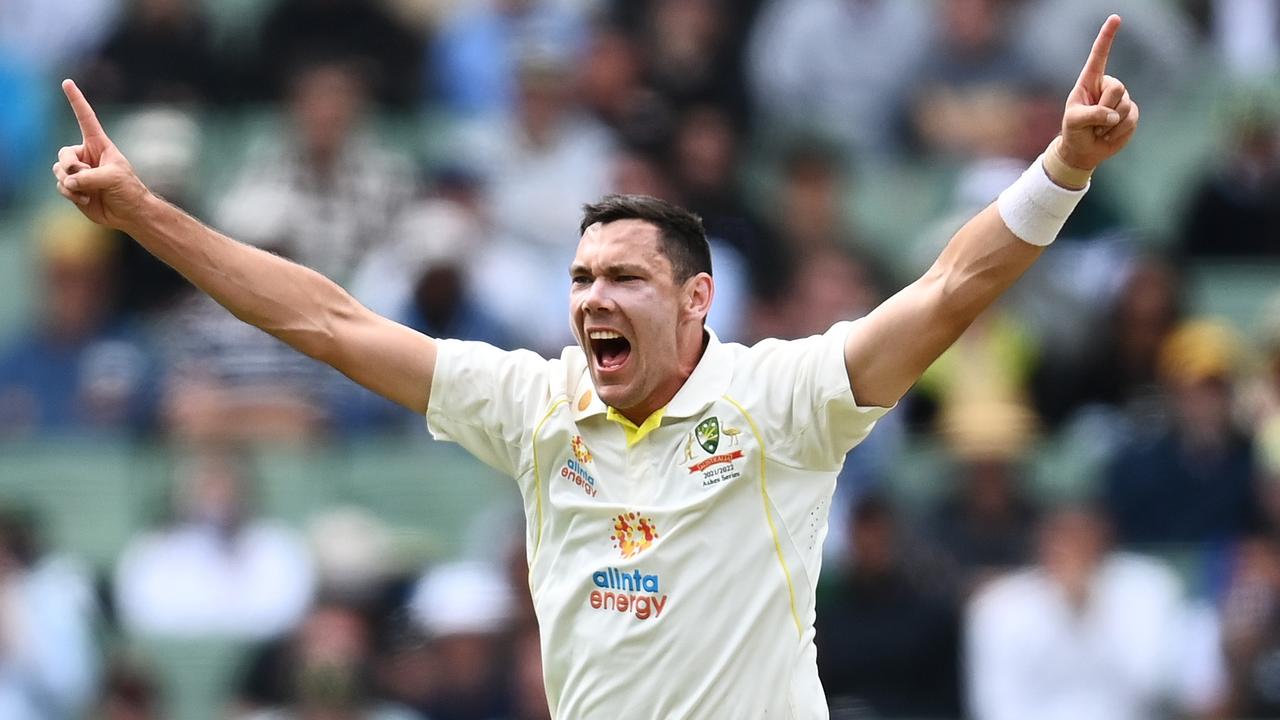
x,y
598,296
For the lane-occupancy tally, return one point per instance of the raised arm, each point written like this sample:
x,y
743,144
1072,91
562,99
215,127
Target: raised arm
x,y
896,343
298,305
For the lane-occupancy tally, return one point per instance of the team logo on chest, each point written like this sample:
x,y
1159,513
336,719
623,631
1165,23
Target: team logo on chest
x,y
575,468
719,467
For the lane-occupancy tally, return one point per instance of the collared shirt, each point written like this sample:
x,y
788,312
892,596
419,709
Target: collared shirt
x,y
672,564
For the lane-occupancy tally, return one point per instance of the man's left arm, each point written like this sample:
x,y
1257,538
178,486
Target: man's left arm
x,y
887,351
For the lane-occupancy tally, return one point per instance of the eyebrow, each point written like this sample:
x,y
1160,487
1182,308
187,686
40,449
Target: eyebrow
x,y
614,270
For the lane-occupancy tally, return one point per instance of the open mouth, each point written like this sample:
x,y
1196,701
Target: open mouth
x,y
611,349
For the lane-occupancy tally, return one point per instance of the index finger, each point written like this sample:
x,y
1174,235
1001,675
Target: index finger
x,y
1096,66
88,120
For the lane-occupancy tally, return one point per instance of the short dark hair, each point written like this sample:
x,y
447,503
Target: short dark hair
x,y
684,240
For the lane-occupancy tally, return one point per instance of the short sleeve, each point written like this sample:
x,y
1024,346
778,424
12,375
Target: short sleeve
x,y
808,408
488,400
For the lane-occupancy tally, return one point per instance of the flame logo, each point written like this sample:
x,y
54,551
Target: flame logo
x,y
632,533
580,450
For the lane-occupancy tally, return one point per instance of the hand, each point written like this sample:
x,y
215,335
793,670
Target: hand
x,y
1100,117
94,174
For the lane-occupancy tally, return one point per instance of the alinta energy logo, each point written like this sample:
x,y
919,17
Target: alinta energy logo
x,y
632,533
575,468
629,592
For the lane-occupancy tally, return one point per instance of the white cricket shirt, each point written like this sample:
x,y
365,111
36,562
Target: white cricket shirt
x,y
673,566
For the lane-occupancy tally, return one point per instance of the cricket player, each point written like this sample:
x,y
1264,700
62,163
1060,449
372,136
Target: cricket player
x,y
676,487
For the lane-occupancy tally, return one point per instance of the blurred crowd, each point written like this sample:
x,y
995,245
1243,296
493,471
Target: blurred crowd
x,y
432,156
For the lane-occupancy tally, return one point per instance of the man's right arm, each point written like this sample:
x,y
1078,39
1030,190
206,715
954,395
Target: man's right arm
x,y
295,304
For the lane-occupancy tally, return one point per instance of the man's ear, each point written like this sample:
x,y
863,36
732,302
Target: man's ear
x,y
699,290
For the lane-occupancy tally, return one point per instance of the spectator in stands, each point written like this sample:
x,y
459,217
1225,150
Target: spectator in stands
x,y
481,45
323,673
164,144
325,194
612,87
76,370
215,570
693,53
1088,632
48,37
1191,479
706,168
1113,375
986,522
422,279
838,68
528,693
161,52
360,34
1247,35
1235,210
889,627
965,99
538,171
1251,628
465,609
1159,36
128,693
22,123
48,658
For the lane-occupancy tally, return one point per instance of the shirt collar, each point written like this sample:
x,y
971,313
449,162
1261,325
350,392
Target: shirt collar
x,y
709,381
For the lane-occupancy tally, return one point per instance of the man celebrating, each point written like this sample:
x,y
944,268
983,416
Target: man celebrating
x,y
676,488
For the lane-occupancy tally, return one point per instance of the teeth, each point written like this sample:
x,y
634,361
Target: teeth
x,y
604,335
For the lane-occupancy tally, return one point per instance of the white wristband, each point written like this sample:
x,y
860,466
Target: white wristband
x,y
1035,208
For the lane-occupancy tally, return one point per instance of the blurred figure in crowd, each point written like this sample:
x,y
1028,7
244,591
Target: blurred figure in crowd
x,y
23,120
161,52
128,693
465,610
538,171
1235,210
888,629
362,34
965,97
1159,34
325,673
164,144
424,279
692,54
987,521
1115,371
325,193
214,570
52,36
76,370
1247,35
1190,479
1087,632
706,177
48,659
838,68
479,47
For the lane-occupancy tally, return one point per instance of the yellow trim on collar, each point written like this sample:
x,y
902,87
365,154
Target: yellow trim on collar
x,y
636,434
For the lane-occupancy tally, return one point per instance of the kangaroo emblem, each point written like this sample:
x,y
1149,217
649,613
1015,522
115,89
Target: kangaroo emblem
x,y
688,448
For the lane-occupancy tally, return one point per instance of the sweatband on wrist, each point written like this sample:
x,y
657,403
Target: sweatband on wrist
x,y
1035,208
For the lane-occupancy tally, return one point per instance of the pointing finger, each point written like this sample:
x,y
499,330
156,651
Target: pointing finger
x,y
90,128
1096,66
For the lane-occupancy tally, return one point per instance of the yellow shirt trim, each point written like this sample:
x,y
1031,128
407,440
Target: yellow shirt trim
x,y
537,476
768,514
636,434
